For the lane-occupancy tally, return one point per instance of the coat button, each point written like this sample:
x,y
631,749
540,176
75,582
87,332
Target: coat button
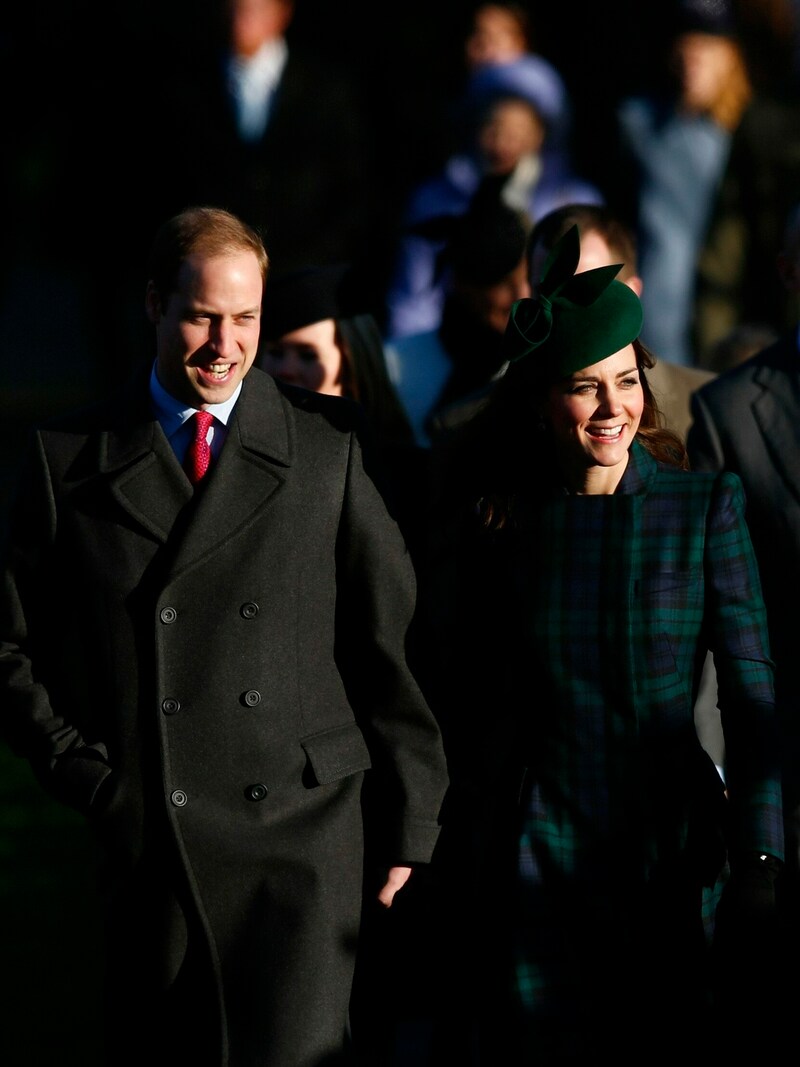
x,y
170,705
168,615
256,792
248,610
251,698
178,798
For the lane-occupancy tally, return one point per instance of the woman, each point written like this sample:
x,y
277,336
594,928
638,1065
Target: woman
x,y
580,574
710,163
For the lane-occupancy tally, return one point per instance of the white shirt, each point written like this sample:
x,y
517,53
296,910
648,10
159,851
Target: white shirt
x,y
174,418
252,83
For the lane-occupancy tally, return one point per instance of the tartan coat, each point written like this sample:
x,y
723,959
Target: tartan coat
x,y
221,685
594,815
748,421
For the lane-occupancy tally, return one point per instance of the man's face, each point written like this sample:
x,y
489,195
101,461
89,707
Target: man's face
x,y
207,335
254,22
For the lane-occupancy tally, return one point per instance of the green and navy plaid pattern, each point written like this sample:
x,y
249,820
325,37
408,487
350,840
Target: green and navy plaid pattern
x,y
624,595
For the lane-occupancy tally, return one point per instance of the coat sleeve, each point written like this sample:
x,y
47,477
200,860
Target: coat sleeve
x,y
745,674
375,634
67,766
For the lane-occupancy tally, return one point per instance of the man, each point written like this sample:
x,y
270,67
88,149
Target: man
x,y
292,149
215,674
748,420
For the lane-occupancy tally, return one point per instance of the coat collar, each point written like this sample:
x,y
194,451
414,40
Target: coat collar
x,y
640,473
148,483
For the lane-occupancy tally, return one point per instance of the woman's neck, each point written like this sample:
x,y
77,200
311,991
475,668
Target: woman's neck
x,y
595,480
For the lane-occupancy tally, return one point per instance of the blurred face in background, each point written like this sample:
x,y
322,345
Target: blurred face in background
x,y
492,303
595,252
703,63
309,357
511,130
252,22
496,37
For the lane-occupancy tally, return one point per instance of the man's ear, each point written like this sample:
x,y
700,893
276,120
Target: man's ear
x,y
152,304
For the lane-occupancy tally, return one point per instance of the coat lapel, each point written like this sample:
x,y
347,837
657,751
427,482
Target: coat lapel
x,y
251,469
146,478
775,409
148,483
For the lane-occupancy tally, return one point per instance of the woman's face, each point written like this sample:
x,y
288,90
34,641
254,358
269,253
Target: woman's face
x,y
309,357
495,37
704,63
594,413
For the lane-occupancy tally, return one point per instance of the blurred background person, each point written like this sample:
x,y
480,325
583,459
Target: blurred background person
x,y
706,168
506,149
483,270
500,56
277,132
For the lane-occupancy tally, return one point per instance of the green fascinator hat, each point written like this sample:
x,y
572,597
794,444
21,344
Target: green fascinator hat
x,y
575,320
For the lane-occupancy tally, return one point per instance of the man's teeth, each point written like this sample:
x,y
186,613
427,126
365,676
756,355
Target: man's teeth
x,y
219,370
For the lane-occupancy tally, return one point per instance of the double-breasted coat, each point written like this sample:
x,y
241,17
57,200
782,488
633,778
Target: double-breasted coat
x,y
220,683
581,779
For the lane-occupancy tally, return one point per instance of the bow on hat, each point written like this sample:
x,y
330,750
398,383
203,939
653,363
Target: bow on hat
x,y
576,319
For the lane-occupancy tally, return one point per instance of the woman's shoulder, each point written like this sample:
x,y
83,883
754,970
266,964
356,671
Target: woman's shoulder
x,y
713,486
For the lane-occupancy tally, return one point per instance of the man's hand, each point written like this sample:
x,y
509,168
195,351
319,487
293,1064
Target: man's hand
x,y
396,879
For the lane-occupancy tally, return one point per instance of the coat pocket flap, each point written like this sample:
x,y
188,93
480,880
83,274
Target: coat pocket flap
x,y
337,752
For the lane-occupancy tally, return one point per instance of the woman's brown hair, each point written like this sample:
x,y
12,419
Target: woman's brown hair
x,y
490,460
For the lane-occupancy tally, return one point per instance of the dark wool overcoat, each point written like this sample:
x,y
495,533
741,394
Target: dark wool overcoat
x,y
220,683
585,791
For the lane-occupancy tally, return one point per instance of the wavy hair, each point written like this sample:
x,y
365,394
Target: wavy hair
x,y
505,448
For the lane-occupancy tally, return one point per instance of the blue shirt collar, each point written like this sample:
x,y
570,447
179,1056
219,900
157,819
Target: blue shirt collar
x,y
172,414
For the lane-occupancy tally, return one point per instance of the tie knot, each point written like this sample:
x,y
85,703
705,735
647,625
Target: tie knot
x,y
199,455
202,420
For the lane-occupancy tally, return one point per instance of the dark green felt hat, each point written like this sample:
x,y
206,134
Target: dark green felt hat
x,y
575,320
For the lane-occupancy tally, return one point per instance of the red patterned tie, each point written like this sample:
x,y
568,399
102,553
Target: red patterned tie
x,y
199,455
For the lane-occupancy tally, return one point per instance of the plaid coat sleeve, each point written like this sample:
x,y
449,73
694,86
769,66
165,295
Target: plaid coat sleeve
x,y
738,637
698,586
